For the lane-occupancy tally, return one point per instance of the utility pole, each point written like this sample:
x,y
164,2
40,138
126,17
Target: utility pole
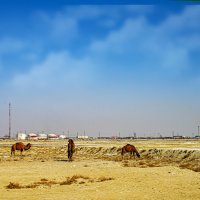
x,y
9,121
99,134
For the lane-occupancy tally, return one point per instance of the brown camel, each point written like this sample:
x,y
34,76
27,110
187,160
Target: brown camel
x,y
71,149
130,148
19,146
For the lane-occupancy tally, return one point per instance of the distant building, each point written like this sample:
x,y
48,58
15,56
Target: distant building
x,y
83,136
21,136
42,136
178,137
5,137
32,136
53,136
62,137
115,137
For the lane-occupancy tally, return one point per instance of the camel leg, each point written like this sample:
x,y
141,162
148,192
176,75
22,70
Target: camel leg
x,y
69,156
13,153
122,153
134,155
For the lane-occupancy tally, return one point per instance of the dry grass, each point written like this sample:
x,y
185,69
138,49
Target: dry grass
x,y
101,167
150,156
153,162
45,183
43,179
14,186
18,186
81,182
76,179
71,180
185,159
195,166
102,179
83,179
32,185
146,162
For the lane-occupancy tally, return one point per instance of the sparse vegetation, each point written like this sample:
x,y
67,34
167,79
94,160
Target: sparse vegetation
x,y
99,167
150,156
195,166
33,185
76,179
13,186
69,180
102,179
44,179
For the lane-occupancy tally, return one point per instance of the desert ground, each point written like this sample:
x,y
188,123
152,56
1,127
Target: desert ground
x,y
167,169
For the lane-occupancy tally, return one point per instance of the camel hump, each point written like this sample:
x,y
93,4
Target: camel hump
x,y
19,143
130,145
17,146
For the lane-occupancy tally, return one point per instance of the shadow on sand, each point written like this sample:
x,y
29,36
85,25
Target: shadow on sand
x,y
63,160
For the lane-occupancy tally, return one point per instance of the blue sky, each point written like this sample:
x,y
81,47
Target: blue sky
x,y
107,68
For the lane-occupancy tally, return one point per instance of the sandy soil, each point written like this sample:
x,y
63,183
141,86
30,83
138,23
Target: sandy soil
x,y
44,173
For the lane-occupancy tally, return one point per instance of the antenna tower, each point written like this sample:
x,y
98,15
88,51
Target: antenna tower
x,y
9,121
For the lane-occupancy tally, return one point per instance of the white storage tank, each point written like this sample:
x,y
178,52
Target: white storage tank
x,y
32,136
62,137
21,136
53,136
42,136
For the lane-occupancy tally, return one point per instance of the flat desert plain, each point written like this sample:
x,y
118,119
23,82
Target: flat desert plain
x,y
167,169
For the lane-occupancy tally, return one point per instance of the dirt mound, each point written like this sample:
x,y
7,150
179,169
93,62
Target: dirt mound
x,y
182,158
189,159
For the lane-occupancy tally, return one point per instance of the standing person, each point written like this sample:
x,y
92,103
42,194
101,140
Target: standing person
x,y
71,149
